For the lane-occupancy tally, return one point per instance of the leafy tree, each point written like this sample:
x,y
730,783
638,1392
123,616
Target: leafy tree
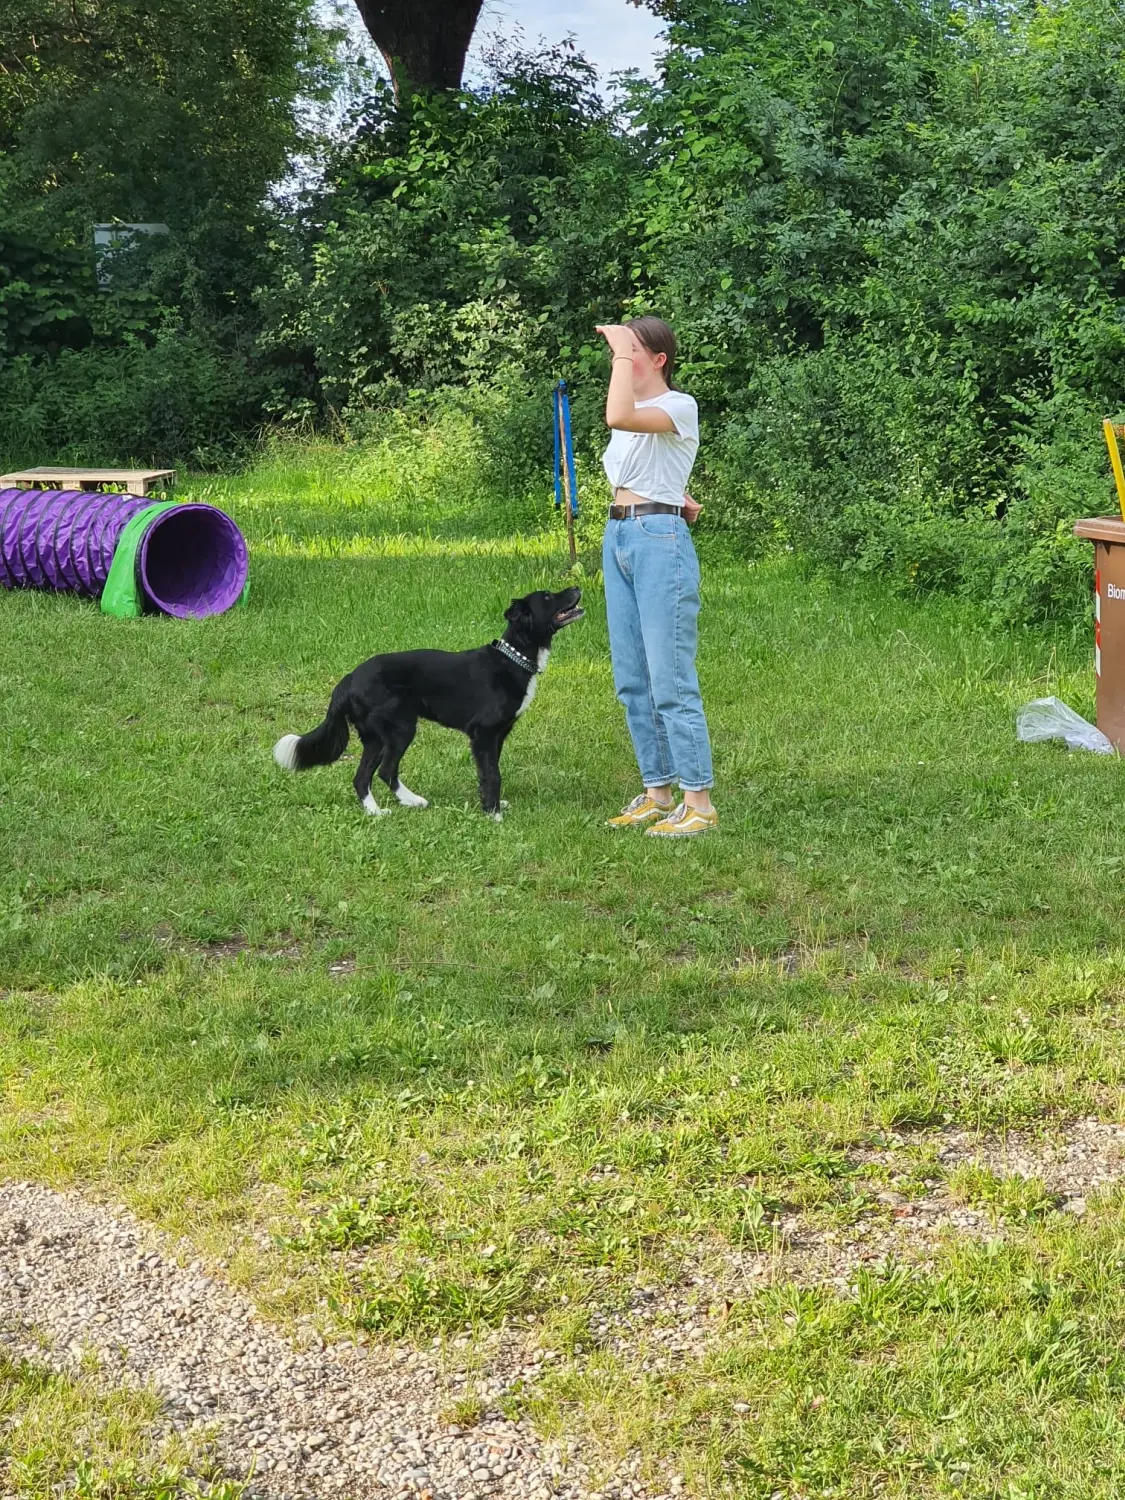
x,y
889,233
175,111
475,238
171,110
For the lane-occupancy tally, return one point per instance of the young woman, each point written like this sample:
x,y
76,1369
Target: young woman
x,y
652,580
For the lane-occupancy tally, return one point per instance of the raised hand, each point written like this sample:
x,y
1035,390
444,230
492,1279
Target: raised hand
x,y
618,337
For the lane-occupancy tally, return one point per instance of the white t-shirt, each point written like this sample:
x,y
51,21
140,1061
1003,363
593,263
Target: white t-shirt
x,y
656,465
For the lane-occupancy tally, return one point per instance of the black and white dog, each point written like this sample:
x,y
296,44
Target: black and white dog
x,y
482,693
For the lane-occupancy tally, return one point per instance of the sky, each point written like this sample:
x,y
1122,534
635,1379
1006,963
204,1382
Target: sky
x,y
612,33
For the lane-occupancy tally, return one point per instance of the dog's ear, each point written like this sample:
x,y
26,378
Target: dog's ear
x,y
518,612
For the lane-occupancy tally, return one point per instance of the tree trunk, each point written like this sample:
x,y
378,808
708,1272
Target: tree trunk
x,y
424,42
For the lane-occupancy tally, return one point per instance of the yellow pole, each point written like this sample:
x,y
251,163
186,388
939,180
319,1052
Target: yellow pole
x,y
1115,462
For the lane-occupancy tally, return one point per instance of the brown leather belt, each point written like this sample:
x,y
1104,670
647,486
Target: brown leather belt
x,y
647,508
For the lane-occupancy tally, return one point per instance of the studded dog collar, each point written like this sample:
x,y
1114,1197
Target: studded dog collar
x,y
513,655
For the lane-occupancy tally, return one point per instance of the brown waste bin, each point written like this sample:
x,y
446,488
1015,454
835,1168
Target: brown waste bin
x,y
1108,536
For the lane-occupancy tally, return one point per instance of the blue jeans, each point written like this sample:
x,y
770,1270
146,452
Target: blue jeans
x,y
652,603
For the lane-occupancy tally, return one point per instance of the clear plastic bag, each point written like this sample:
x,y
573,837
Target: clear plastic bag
x,y
1050,719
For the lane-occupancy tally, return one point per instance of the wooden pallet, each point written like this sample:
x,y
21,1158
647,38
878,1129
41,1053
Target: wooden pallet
x,y
132,481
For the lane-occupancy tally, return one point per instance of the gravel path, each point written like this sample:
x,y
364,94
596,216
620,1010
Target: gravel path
x,y
319,1422
341,1420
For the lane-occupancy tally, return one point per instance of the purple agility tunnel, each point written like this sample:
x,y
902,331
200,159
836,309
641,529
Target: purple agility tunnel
x,y
191,559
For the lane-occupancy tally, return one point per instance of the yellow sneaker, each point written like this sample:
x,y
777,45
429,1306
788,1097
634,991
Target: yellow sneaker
x,y
639,811
685,823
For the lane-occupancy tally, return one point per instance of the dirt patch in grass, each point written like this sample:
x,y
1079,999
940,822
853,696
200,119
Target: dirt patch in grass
x,y
285,947
913,1191
223,947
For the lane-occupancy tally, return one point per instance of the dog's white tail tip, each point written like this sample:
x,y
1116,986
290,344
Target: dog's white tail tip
x,y
285,751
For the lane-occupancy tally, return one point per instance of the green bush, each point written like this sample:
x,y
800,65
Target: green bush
x,y
1044,571
150,403
848,456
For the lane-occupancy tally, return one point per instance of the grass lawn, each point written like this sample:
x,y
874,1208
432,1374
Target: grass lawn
x,y
426,1072
52,1423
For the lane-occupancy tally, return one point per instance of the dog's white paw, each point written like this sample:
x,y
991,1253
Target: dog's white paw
x,y
497,817
285,752
408,798
504,804
371,807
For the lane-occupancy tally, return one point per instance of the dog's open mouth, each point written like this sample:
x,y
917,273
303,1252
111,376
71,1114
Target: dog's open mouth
x,y
568,616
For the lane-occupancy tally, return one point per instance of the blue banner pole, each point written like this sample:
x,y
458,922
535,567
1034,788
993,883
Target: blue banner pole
x,y
566,482
568,450
558,445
